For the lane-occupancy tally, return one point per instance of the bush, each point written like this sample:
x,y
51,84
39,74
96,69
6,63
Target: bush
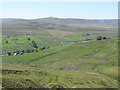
x,y
34,44
6,42
18,52
42,48
29,39
22,52
8,53
104,37
99,38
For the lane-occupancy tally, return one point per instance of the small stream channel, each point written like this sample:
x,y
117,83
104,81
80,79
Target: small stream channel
x,y
99,59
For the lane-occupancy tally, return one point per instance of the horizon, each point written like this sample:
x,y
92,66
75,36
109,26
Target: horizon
x,y
60,18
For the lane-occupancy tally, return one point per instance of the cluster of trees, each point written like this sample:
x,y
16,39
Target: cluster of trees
x,y
21,52
25,51
102,38
34,44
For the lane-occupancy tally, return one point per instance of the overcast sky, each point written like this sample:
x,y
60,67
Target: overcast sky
x,y
85,10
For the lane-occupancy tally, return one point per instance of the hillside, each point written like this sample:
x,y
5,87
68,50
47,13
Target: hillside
x,y
8,19
82,65
59,53
51,23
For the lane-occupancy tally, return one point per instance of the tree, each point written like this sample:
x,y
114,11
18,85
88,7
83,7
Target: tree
x,y
29,39
22,52
18,52
6,42
33,41
42,48
87,34
104,37
8,53
99,38
34,44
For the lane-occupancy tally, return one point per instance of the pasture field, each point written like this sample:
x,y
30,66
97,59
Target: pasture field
x,y
81,65
53,39
59,53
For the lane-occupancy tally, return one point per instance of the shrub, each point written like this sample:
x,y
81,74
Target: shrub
x,y
6,42
104,37
8,53
29,39
34,44
99,38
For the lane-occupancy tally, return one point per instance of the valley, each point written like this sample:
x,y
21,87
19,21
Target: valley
x,y
59,53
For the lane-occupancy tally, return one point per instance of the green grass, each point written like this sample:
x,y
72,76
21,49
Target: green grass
x,y
42,40
23,43
70,62
70,67
80,32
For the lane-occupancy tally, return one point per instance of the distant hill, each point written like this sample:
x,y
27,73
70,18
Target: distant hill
x,y
8,19
52,23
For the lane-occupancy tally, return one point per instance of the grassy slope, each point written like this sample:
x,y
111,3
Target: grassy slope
x,y
54,38
52,24
70,67
23,44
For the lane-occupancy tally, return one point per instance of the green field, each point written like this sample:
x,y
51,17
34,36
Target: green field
x,y
43,40
72,66
59,53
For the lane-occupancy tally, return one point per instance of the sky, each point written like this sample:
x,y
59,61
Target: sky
x,y
59,0
84,10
